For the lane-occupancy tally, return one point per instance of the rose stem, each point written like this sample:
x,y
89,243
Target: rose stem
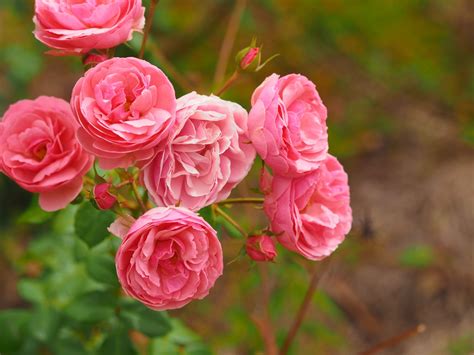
x,y
122,184
233,201
149,23
138,197
228,83
229,39
316,276
391,342
230,220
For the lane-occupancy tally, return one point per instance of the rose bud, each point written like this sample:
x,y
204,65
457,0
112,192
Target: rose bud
x,y
102,197
249,58
261,248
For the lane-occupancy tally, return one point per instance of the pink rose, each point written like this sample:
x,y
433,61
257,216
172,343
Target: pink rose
x,y
208,156
287,125
39,150
261,248
169,257
125,107
80,26
311,214
102,196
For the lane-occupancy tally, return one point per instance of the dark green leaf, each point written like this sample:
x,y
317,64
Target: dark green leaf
x,y
32,291
149,322
44,324
117,343
91,224
92,307
101,267
163,346
13,328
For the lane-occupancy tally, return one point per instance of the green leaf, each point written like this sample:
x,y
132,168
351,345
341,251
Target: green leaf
x,y
139,317
13,326
162,346
91,224
80,249
92,307
101,267
417,256
32,291
34,214
44,324
117,343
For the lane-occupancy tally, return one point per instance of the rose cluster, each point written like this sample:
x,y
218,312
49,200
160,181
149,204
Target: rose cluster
x,y
191,152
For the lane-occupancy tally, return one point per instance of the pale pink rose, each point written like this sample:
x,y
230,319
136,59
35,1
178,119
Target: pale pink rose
x,y
287,125
208,156
39,150
82,25
310,215
261,248
125,107
169,257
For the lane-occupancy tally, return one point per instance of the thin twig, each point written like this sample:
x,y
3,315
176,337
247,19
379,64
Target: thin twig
x,y
229,219
229,40
149,23
391,342
169,68
315,278
228,83
233,201
138,197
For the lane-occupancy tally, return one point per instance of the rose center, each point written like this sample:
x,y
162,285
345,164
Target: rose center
x,y
39,152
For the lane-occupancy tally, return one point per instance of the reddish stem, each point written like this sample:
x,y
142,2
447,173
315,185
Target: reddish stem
x,y
148,25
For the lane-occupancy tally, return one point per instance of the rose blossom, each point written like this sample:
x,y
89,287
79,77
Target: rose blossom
x,y
125,107
208,156
261,248
287,125
169,257
39,150
311,214
82,25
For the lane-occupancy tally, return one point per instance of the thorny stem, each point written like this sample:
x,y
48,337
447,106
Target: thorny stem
x,y
391,342
229,39
149,23
315,278
228,83
233,201
229,219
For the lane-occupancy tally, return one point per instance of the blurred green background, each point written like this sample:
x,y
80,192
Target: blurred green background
x,y
398,80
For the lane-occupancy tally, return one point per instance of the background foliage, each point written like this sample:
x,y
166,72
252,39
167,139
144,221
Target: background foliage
x,y
398,80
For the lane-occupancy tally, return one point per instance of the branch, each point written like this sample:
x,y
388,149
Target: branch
x,y
148,25
230,220
233,201
315,278
229,40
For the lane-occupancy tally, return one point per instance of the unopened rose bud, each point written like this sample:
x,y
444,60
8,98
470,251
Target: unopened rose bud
x,y
94,59
261,248
102,197
251,55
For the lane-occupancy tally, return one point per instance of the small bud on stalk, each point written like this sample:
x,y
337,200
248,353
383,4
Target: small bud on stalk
x,y
261,248
102,197
249,58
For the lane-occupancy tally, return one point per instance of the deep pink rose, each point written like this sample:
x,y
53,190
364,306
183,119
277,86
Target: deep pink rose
x,y
39,150
102,196
209,154
287,125
82,25
125,107
169,257
261,248
311,214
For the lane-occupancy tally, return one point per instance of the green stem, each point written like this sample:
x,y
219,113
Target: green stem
x,y
228,83
233,201
148,25
229,219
